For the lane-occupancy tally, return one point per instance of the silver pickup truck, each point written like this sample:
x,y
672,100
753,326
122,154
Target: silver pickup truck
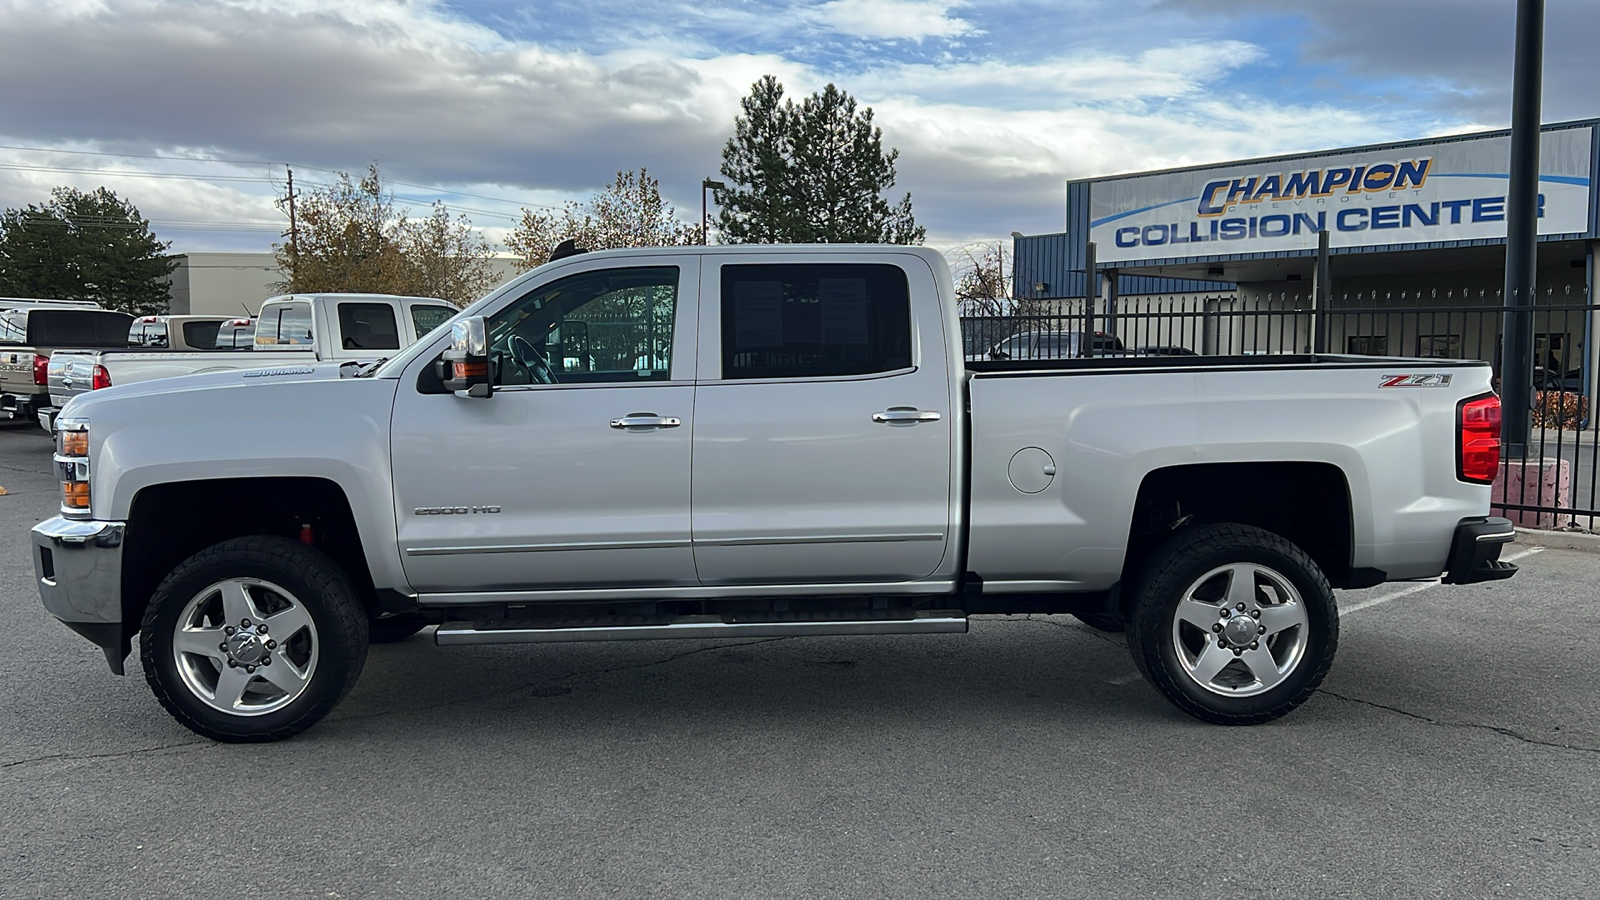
x,y
709,442
293,330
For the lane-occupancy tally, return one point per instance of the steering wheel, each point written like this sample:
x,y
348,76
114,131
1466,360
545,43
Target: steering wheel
x,y
529,357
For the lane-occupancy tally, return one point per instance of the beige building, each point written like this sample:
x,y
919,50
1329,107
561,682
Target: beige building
x,y
226,283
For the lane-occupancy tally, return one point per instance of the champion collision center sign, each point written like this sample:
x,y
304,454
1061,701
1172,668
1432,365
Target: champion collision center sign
x,y
1447,191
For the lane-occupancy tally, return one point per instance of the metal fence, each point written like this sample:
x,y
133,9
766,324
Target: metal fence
x,y
1555,486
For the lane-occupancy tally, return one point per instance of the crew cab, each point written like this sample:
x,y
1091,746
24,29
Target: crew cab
x,y
292,330
712,442
31,330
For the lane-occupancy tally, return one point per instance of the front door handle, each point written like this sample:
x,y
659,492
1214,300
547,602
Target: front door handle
x,y
646,420
905,414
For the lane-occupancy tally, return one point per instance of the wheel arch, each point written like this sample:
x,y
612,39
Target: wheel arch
x,y
1306,503
170,522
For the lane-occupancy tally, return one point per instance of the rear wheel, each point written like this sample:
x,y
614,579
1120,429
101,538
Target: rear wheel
x,y
254,639
1233,624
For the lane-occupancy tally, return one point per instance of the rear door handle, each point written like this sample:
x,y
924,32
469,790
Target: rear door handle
x,y
906,414
646,420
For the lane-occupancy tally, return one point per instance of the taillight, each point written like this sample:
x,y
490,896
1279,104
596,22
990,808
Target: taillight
x,y
1478,439
99,379
41,369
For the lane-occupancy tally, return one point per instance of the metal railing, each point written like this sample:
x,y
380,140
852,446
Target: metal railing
x,y
1557,484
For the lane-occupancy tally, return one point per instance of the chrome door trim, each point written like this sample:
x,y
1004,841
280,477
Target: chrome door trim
x,y
817,539
543,548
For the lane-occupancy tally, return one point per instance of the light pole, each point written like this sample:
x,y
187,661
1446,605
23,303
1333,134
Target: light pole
x,y
1522,232
705,211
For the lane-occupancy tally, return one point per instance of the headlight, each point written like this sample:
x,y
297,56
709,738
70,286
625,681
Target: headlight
x,y
72,467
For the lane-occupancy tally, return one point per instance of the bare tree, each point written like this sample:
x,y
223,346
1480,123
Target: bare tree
x,y
629,212
983,281
349,236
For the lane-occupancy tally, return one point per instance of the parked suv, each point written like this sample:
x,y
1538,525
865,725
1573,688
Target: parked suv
x,y
30,333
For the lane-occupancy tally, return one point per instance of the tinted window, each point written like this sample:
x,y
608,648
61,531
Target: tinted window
x,y
368,326
288,324
427,318
74,328
607,325
812,320
201,335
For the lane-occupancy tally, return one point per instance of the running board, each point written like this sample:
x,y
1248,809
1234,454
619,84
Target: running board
x,y
936,622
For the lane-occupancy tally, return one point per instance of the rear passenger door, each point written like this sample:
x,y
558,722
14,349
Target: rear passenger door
x,y
823,426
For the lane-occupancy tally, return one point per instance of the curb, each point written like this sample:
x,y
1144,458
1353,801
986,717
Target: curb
x,y
1559,540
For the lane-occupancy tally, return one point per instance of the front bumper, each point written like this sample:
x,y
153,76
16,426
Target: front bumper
x,y
1475,552
78,564
47,419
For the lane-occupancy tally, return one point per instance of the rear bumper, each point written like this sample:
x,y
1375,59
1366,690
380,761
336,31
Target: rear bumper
x,y
78,566
1475,552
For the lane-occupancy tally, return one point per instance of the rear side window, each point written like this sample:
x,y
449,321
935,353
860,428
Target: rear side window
x,y
808,320
286,325
13,328
148,334
201,335
76,328
427,318
368,326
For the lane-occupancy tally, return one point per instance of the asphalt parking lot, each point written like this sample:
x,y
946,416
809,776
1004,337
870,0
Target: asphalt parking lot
x,y
1454,751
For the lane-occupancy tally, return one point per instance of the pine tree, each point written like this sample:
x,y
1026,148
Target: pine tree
x,y
812,173
85,246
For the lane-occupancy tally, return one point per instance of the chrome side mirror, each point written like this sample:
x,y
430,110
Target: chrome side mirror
x,y
466,362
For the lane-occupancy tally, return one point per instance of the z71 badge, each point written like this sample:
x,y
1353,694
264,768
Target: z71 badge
x,y
1430,380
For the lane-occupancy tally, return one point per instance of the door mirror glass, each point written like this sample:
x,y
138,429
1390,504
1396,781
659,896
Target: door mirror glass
x,y
465,365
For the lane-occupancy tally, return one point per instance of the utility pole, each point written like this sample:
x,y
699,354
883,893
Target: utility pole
x,y
706,186
294,229
1522,233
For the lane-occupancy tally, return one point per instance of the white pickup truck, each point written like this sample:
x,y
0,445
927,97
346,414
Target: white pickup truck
x,y
292,330
710,442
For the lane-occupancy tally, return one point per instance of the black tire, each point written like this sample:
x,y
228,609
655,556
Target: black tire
x,y
395,628
323,653
1102,621
1199,565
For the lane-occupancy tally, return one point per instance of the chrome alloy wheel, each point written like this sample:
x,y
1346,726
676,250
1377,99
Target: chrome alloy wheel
x,y
245,647
1240,630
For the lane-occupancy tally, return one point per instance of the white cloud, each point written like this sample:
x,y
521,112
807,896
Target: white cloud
x,y
440,101
914,20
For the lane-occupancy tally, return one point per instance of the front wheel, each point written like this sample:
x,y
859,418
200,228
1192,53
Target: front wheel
x,y
1233,624
253,639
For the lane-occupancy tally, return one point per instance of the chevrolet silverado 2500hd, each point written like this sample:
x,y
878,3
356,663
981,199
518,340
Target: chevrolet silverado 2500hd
x,y
712,442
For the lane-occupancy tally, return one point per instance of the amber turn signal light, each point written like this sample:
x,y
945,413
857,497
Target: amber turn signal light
x,y
75,495
74,443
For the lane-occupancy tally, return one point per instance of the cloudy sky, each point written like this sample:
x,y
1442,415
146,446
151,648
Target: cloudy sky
x,y
192,109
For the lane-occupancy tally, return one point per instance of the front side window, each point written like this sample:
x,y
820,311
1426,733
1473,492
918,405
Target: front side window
x,y
368,326
809,320
610,325
287,325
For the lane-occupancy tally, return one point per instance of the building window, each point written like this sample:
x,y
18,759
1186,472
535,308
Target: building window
x,y
1367,344
1439,346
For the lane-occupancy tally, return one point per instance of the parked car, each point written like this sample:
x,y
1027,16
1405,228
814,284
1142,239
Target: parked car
x,y
1164,350
810,456
1030,345
34,329
291,330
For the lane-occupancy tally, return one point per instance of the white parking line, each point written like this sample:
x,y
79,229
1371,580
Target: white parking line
x,y
1345,610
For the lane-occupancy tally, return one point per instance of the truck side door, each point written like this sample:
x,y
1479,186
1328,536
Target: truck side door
x,y
823,421
574,474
